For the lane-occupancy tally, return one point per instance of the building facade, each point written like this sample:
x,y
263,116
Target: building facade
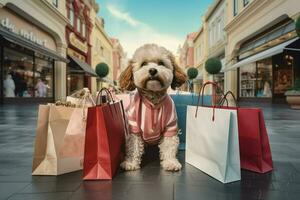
x,y
102,52
215,20
119,59
186,58
79,41
32,50
187,51
261,55
200,55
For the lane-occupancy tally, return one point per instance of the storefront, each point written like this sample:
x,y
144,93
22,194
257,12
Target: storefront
x,y
27,57
77,73
267,64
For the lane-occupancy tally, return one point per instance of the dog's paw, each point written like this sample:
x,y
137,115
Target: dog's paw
x,y
129,166
171,165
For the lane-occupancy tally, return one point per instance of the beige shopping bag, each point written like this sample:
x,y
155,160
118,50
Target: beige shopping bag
x,y
51,128
73,144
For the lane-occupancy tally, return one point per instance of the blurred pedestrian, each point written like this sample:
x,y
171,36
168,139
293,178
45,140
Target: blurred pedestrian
x,y
9,86
41,88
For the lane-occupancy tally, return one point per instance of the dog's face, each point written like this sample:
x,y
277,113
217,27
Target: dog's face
x,y
152,68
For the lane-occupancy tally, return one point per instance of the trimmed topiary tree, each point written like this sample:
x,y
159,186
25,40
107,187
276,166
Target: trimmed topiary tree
x,y
297,26
213,65
192,73
102,70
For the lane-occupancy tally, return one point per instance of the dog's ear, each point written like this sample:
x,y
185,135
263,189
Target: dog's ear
x,y
179,77
126,78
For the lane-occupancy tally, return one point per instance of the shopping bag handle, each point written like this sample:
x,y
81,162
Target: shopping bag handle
x,y
124,118
108,94
83,101
110,98
225,99
201,96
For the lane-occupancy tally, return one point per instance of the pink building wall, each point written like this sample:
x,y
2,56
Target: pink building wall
x,y
116,56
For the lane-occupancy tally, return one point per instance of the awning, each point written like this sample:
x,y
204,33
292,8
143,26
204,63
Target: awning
x,y
19,40
262,55
86,68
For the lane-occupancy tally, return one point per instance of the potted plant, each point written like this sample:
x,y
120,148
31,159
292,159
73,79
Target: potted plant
x,y
102,71
293,95
213,66
192,73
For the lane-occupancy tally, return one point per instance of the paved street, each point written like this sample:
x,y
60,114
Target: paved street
x,y
17,131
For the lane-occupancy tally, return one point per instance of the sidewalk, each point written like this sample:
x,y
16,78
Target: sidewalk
x,y
17,131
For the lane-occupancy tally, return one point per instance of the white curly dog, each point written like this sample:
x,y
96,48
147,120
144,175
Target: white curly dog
x,y
151,114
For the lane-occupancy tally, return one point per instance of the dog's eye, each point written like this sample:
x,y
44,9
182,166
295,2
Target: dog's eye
x,y
161,63
144,63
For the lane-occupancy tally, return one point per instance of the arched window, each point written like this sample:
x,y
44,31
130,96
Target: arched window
x,y
71,14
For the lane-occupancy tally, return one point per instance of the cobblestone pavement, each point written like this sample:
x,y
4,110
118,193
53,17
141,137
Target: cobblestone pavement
x,y
17,131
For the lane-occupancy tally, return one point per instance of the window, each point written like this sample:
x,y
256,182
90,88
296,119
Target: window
x,y
210,37
71,14
219,30
43,77
246,2
18,73
235,7
75,82
83,29
78,25
256,79
55,3
215,34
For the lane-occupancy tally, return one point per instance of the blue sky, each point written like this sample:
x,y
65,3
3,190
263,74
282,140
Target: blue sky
x,y
165,22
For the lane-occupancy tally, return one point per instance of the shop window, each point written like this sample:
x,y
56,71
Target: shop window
x,y
284,68
75,82
247,80
43,77
256,79
71,14
17,73
264,78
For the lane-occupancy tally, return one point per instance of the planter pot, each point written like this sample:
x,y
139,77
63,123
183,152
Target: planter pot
x,y
294,101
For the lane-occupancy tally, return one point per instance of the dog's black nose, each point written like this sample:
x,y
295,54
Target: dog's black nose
x,y
152,71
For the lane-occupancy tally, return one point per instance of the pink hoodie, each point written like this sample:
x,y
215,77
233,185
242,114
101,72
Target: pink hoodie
x,y
152,121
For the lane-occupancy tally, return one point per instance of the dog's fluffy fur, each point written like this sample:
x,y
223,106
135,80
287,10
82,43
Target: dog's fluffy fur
x,y
153,87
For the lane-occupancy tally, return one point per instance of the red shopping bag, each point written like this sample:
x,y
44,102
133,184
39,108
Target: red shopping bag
x,y
255,152
105,139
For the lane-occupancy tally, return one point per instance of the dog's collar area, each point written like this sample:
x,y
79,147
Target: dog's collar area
x,y
154,97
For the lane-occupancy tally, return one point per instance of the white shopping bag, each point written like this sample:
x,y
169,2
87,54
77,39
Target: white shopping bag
x,y
212,142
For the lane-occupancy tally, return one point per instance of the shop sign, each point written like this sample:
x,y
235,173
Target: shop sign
x,y
29,35
77,43
71,52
